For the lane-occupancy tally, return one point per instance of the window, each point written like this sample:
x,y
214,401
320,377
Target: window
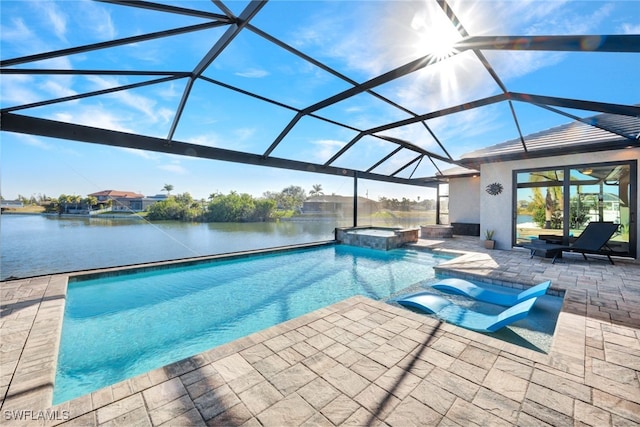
x,y
557,203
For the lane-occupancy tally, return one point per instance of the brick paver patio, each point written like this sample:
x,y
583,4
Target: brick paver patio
x,y
360,361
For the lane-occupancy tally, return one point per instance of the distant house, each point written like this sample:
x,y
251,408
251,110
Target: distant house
x,y
123,200
337,205
150,200
158,197
11,204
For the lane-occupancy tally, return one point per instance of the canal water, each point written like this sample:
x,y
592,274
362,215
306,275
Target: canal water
x,y
33,245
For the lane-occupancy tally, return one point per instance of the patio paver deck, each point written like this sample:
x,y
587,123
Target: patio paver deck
x,y
360,361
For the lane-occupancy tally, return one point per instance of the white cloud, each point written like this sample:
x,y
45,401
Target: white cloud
x,y
174,168
253,73
169,91
209,140
103,82
165,114
96,19
242,134
17,89
325,148
27,89
46,145
148,155
94,116
18,32
400,37
20,38
138,102
59,87
127,97
56,19
34,141
630,28
459,79
331,33
583,23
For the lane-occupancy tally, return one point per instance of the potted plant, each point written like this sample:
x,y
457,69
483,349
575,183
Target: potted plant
x,y
489,243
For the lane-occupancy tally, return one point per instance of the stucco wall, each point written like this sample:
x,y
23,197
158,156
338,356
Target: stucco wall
x,y
496,211
464,200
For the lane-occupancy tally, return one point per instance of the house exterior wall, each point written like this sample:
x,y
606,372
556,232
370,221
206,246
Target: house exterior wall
x,y
323,207
464,200
11,204
496,211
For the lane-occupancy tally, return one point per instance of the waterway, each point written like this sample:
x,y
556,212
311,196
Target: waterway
x,y
33,245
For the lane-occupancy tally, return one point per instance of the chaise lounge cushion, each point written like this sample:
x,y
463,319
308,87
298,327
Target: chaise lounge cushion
x,y
464,317
464,287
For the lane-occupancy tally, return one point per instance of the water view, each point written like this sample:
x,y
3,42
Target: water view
x,y
35,245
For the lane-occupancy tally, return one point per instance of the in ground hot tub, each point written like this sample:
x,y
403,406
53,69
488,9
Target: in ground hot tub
x,y
383,238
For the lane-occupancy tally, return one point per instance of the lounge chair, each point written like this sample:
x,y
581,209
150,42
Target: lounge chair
x,y
593,240
461,316
464,287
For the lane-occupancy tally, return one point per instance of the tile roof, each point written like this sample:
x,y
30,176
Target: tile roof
x,y
603,132
118,194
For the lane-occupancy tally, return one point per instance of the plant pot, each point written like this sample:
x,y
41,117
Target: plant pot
x,y
489,244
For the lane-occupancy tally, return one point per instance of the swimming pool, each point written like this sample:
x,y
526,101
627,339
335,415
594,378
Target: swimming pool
x,y
116,327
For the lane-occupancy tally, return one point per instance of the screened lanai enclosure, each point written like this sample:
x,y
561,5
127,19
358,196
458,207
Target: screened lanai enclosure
x,y
362,93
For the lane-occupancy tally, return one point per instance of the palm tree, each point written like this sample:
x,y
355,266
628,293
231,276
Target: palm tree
x,y
77,199
168,188
91,201
316,190
62,203
550,202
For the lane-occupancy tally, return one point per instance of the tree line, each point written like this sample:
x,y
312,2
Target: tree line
x,y
232,207
405,204
218,207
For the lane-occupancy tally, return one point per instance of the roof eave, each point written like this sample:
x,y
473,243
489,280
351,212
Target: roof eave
x,y
476,162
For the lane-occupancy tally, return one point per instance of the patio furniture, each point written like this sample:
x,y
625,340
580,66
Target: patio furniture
x,y
464,287
545,250
593,240
464,317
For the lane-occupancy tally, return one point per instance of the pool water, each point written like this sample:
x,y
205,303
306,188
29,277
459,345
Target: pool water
x,y
116,327
534,332
373,232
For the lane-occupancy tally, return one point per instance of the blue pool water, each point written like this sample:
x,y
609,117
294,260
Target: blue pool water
x,y
116,327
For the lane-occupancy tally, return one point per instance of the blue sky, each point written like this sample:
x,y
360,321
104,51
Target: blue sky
x,y
360,39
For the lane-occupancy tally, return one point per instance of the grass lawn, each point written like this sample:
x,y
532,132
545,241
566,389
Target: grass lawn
x,y
24,209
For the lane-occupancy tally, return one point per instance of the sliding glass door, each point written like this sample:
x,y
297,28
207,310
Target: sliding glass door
x,y
557,203
539,203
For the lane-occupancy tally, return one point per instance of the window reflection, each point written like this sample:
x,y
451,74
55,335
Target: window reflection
x,y
540,201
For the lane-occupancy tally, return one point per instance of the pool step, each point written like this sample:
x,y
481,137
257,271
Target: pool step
x,y
420,256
